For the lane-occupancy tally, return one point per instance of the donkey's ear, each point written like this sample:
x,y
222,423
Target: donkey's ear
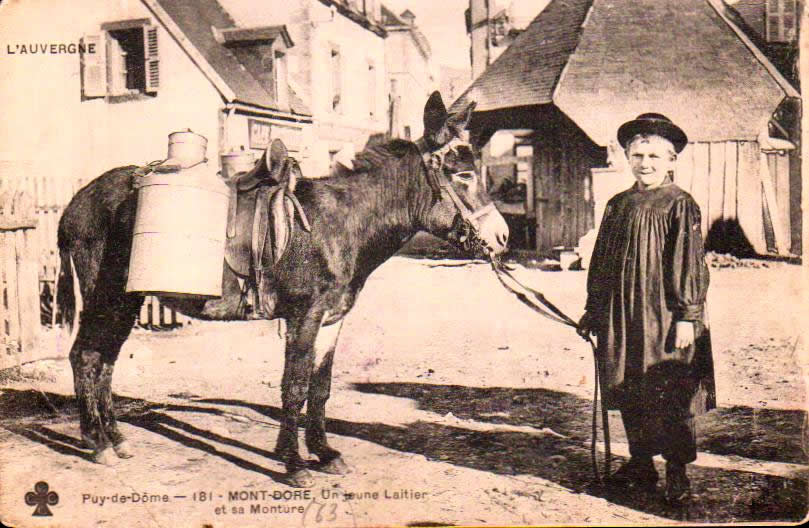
x,y
458,121
435,114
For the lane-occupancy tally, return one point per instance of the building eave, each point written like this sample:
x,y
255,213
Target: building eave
x,y
268,112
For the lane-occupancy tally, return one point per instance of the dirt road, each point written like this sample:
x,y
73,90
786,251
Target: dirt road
x,y
453,403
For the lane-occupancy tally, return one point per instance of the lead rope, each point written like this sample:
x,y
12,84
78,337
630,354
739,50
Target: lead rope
x,y
433,163
528,296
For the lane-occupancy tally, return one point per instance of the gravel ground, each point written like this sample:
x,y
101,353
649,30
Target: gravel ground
x,y
453,403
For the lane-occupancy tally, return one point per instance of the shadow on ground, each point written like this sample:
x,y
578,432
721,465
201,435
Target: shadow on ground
x,y
719,495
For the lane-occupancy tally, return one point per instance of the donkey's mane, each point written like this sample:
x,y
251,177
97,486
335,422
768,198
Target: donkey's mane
x,y
376,158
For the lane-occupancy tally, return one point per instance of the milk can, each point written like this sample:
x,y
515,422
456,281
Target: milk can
x,y
237,161
178,248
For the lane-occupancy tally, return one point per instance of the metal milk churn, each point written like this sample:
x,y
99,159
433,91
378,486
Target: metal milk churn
x,y
235,162
178,248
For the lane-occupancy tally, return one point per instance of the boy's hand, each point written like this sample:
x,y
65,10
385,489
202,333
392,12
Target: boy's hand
x,y
683,334
585,327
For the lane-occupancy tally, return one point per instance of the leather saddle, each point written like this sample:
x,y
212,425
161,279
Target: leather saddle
x,y
262,210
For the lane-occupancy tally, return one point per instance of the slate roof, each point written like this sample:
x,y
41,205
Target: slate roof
x,y
196,18
603,62
527,72
752,11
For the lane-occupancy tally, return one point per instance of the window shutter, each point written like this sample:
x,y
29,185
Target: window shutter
x,y
94,66
151,61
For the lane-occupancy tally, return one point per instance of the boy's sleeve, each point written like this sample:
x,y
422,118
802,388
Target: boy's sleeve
x,y
686,273
595,272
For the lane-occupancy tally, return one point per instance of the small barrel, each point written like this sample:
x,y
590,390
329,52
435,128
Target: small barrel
x,y
178,248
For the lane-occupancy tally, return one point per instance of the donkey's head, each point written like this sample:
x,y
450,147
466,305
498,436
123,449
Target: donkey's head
x,y
462,211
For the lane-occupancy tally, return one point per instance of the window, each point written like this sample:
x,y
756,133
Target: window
x,y
371,90
336,103
273,74
124,61
781,15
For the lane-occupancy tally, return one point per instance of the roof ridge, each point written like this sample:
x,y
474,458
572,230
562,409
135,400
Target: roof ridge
x,y
561,77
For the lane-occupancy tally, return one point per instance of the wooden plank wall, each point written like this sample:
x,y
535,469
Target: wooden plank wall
x,y
563,197
725,179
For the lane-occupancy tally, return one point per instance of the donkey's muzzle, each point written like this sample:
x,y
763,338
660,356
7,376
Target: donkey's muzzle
x,y
492,230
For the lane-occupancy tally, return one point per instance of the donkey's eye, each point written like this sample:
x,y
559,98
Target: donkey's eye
x,y
464,175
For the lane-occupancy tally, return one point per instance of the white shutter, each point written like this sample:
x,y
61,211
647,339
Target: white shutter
x,y
94,65
151,62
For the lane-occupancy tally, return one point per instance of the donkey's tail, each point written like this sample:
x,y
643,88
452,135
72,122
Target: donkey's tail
x,y
68,293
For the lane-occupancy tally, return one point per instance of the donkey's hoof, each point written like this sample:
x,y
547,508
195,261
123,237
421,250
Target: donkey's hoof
x,y
300,479
335,466
105,457
124,449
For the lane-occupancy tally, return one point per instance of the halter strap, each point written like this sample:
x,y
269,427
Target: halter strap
x,y
434,162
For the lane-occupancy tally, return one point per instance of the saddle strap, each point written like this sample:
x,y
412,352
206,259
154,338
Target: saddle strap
x,y
260,228
300,211
232,204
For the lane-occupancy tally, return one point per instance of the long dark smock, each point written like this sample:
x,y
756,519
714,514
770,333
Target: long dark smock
x,y
647,272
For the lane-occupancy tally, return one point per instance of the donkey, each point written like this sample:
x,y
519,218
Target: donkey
x,y
359,219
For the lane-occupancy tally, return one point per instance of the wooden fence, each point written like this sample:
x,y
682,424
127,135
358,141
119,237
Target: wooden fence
x,y
49,194
19,292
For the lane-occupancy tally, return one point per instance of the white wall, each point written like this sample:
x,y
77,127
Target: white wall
x,y
357,47
47,126
415,82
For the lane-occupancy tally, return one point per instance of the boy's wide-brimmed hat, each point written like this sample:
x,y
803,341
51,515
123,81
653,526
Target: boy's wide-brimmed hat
x,y
656,124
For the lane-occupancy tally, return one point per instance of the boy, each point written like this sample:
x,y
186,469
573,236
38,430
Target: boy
x,y
646,293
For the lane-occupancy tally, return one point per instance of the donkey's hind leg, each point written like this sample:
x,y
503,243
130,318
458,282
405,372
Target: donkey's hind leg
x,y
105,324
319,390
102,332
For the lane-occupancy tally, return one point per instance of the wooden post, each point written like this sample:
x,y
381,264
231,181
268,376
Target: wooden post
x,y
777,217
19,289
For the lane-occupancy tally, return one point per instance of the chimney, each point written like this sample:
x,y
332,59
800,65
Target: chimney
x,y
479,35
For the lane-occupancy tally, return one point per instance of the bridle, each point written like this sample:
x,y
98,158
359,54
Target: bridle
x,y
468,217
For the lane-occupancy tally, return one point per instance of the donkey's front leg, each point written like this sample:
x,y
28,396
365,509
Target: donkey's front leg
x,y
299,356
319,389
